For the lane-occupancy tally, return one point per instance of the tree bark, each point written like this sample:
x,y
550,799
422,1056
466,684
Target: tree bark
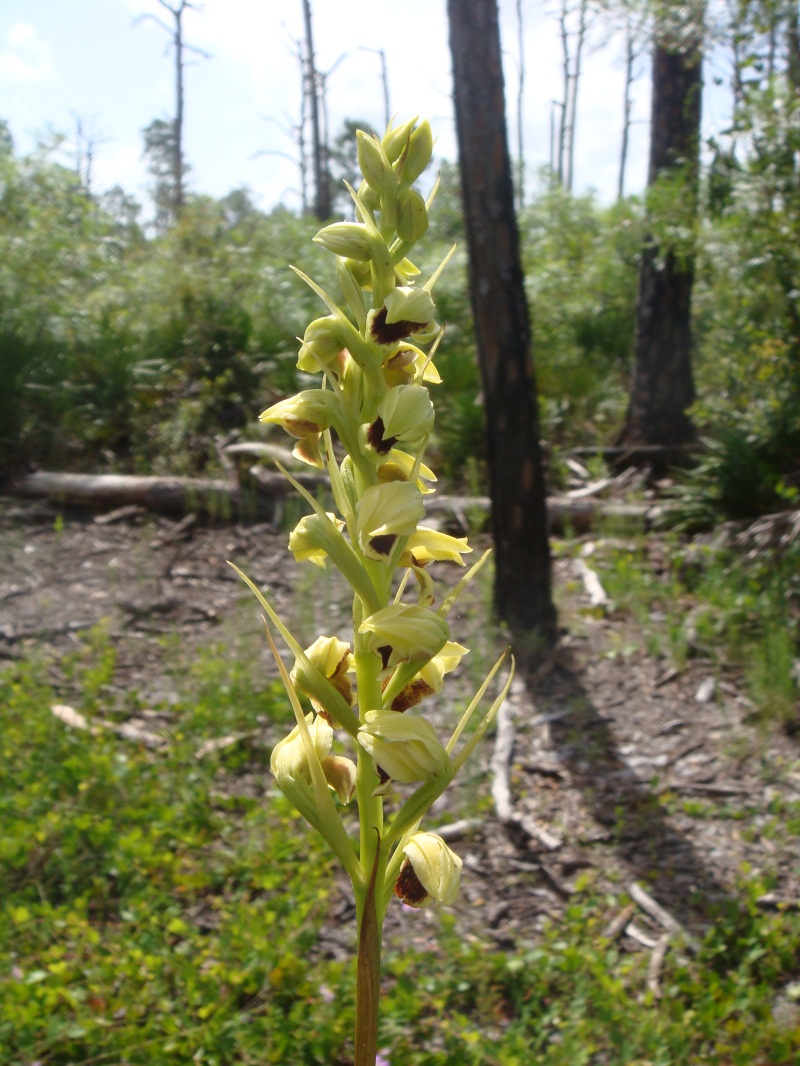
x,y
662,385
627,109
178,162
522,590
322,185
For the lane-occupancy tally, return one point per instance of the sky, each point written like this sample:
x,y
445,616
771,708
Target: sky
x,y
99,62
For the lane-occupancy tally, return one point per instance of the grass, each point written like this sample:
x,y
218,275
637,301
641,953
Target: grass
x,y
738,613
162,909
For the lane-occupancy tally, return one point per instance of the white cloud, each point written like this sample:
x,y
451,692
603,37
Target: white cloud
x,y
27,59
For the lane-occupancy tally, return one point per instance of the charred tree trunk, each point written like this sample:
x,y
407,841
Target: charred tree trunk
x,y
630,55
177,164
522,591
322,185
662,385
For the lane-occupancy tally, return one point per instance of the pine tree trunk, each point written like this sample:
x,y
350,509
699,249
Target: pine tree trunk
x,y
522,589
662,386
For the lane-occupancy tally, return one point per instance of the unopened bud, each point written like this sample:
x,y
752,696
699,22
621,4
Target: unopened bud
x,y
396,138
372,162
420,150
347,239
412,215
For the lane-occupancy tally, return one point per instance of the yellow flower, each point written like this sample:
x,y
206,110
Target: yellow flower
x,y
401,633
407,304
405,414
431,677
403,746
289,759
410,366
429,545
304,416
331,657
290,768
399,467
430,871
385,512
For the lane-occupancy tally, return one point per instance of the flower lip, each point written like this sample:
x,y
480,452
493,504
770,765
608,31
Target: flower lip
x,y
392,332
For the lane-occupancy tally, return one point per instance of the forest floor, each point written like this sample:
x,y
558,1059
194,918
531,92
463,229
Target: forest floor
x,y
624,768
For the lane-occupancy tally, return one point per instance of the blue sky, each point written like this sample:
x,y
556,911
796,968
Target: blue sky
x,y
89,59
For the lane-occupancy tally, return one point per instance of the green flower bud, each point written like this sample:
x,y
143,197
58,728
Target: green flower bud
x,y
420,150
347,239
430,871
401,633
372,162
322,343
396,138
404,746
385,512
412,215
311,539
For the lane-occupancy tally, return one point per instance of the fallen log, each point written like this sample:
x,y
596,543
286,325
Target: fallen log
x,y
255,499
563,513
213,498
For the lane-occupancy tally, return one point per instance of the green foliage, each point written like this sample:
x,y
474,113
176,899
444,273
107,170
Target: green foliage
x,y
580,265
161,907
745,613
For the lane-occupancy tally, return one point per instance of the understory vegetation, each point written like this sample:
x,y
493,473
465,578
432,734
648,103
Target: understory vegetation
x,y
156,908
126,352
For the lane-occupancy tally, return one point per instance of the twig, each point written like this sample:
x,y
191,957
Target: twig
x,y
617,924
501,760
591,583
656,962
660,914
462,828
635,933
520,829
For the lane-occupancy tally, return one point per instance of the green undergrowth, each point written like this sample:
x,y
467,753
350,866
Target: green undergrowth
x,y
738,613
163,908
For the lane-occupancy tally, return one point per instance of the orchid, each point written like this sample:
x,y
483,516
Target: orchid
x,y
368,424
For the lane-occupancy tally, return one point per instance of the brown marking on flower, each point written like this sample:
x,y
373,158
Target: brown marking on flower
x,y
375,438
384,332
299,427
385,654
408,886
411,695
383,543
